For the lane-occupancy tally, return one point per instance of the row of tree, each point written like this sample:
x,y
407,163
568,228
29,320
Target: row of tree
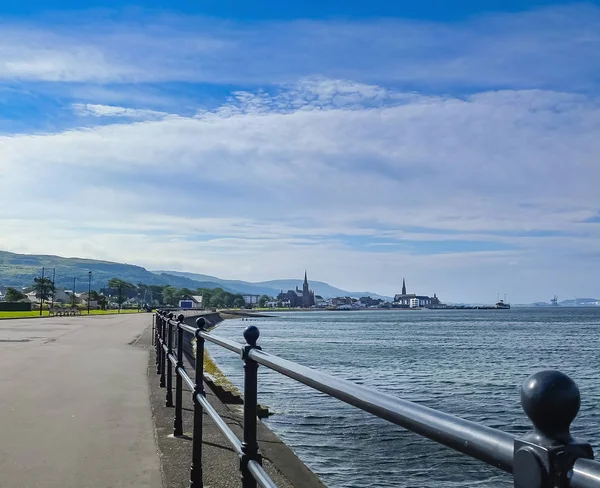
x,y
120,291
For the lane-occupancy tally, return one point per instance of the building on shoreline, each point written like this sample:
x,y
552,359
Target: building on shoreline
x,y
297,298
412,300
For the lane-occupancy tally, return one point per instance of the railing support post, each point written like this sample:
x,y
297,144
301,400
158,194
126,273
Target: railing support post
x,y
157,339
250,442
152,335
196,467
545,458
169,394
178,421
163,354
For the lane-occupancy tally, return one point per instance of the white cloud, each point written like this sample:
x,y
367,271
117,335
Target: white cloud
x,y
270,183
95,110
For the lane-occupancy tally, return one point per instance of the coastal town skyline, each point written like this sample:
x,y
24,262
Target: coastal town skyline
x,y
364,141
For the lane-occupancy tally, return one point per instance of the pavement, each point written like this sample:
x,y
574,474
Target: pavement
x,y
74,404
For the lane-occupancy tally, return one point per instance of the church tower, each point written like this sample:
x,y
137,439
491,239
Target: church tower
x,y
306,292
403,287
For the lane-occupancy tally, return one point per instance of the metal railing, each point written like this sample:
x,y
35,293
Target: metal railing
x,y
548,457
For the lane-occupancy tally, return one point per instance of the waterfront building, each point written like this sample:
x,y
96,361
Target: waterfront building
x,y
251,299
191,301
304,298
412,300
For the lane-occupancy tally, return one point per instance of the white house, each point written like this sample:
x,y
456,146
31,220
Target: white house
x,y
191,301
251,299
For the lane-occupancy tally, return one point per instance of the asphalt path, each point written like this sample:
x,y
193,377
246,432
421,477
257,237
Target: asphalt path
x,y
74,404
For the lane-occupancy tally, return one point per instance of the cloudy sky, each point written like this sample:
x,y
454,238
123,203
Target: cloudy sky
x,y
458,147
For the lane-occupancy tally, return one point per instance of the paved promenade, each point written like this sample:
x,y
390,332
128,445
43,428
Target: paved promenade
x,y
74,404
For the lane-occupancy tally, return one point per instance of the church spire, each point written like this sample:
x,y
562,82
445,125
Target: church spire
x,y
305,278
403,287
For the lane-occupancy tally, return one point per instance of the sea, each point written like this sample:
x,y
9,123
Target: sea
x,y
468,363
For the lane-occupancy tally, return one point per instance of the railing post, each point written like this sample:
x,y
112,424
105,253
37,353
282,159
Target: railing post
x,y
250,442
178,421
196,468
152,335
157,339
163,354
545,457
169,394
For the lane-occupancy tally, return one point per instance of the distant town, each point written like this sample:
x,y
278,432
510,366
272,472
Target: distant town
x,y
118,294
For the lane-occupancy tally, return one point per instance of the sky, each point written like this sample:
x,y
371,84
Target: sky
x,y
454,144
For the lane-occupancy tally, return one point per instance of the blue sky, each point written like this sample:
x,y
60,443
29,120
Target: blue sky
x,y
452,143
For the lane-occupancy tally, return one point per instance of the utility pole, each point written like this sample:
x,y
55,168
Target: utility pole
x,y
53,276
89,290
42,289
73,292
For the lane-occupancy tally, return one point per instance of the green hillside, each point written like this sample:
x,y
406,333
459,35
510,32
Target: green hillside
x,y
19,270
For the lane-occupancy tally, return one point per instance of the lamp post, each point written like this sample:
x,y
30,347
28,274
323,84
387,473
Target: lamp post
x,y
42,292
73,292
89,290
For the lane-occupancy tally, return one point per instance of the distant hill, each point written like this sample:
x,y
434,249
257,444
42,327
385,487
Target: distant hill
x,y
19,270
273,287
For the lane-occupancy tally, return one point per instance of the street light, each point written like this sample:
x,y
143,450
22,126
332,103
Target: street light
x,y
89,290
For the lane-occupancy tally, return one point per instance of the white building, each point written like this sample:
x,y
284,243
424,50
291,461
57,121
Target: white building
x,y
191,301
251,299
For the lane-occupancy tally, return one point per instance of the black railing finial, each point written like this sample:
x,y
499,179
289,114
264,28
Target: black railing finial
x,y
251,334
180,317
200,323
551,401
544,458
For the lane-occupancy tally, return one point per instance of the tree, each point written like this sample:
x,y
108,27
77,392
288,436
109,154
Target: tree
x,y
44,288
102,302
215,301
262,301
120,286
14,295
239,303
169,293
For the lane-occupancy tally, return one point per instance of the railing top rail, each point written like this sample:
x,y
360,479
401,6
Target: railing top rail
x,y
586,474
221,341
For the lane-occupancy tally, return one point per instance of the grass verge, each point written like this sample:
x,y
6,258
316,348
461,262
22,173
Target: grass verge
x,y
36,313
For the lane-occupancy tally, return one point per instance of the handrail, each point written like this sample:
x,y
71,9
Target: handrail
x,y
546,458
484,443
586,474
220,341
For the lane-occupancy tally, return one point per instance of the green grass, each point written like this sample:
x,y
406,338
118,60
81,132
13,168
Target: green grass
x,y
212,369
16,315
36,313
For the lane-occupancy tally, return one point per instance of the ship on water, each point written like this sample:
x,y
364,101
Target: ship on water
x,y
502,304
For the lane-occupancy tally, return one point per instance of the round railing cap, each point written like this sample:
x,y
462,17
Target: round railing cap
x,y
251,334
180,317
171,315
200,322
551,401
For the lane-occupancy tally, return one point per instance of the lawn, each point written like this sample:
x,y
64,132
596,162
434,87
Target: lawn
x,y
36,313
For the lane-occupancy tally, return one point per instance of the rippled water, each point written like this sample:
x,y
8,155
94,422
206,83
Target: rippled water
x,y
467,363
